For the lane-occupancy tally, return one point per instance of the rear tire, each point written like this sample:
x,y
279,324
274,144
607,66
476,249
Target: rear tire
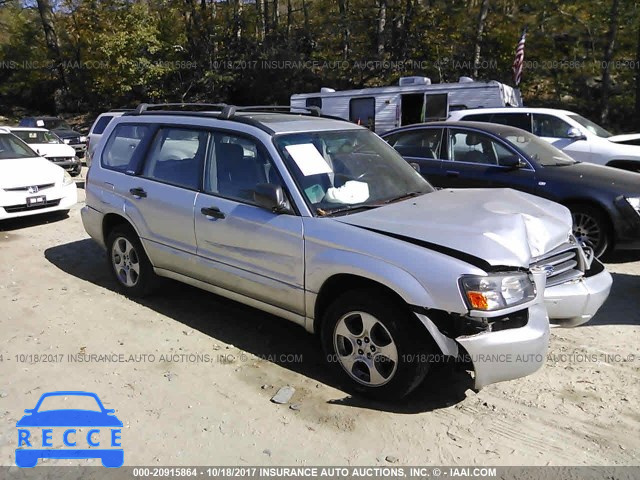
x,y
372,342
591,226
128,262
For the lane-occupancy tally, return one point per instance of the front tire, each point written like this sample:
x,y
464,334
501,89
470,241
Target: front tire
x,y
373,342
129,263
591,227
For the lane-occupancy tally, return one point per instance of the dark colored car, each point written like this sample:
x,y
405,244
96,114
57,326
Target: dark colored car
x,y
60,128
604,201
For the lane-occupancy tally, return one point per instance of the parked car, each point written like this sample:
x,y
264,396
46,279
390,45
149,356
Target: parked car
x,y
30,184
95,133
319,221
60,128
575,135
604,201
48,145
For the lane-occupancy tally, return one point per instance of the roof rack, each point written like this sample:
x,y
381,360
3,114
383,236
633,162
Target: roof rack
x,y
312,110
226,111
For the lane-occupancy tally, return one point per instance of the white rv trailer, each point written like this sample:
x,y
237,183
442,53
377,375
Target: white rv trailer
x,y
414,100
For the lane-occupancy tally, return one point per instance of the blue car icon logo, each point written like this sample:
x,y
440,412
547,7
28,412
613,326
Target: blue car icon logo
x,y
62,434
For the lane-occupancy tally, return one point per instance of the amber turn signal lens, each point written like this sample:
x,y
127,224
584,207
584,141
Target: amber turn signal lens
x,y
478,300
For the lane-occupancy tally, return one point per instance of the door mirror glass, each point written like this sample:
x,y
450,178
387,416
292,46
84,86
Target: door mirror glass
x,y
271,197
575,134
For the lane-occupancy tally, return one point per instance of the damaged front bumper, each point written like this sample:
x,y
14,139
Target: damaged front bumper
x,y
576,302
509,354
505,347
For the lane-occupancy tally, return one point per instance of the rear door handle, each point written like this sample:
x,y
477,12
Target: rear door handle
x,y
138,192
212,212
452,173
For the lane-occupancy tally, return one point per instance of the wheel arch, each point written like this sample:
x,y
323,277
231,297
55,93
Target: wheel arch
x,y
590,202
111,221
340,283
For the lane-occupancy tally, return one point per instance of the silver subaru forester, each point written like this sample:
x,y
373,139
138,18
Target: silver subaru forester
x,y
321,222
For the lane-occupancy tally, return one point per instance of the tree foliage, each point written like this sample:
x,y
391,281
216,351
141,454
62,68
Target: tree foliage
x,y
99,54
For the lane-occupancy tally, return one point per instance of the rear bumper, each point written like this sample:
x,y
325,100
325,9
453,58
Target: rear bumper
x,y
576,302
509,354
92,222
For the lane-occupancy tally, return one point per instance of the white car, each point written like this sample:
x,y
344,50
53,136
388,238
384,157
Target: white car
x,y
575,135
48,145
99,124
30,184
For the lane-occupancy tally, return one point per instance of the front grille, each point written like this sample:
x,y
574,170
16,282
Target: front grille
x,y
59,159
24,208
562,264
24,189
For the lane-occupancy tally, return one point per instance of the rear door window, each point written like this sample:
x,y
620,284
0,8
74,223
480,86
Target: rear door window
x,y
518,120
125,146
177,156
550,126
423,143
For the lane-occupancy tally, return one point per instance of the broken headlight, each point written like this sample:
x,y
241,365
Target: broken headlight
x,y
497,290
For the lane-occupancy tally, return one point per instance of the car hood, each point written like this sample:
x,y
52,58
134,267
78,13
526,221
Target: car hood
x,y
53,149
624,138
64,133
69,418
500,226
25,172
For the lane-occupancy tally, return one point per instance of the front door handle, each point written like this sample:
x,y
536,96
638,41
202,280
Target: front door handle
x,y
212,212
138,192
452,173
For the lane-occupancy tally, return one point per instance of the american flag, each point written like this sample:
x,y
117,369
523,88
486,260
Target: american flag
x,y
518,63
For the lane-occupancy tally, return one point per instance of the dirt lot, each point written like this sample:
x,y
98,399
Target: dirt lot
x,y
57,299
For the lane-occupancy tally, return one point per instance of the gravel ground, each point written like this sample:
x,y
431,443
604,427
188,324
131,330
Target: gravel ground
x,y
201,370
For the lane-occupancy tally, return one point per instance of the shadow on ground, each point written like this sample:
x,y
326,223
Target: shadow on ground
x,y
19,223
254,331
623,305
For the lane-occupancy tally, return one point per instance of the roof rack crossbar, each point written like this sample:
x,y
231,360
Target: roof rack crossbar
x,y
314,111
144,107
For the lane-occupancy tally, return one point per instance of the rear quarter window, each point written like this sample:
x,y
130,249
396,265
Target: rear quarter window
x,y
101,124
124,146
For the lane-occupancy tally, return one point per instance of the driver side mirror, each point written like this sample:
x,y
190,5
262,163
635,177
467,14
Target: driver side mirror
x,y
575,134
513,162
271,197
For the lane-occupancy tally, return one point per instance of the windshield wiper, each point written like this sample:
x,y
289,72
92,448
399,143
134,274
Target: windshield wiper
x,y
404,196
326,213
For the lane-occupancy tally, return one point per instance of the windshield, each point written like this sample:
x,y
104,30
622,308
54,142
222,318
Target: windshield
x,y
36,136
342,171
55,124
540,151
589,125
11,147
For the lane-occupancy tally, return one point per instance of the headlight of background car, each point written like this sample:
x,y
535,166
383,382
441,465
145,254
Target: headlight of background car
x,y
634,202
497,291
66,140
83,139
67,180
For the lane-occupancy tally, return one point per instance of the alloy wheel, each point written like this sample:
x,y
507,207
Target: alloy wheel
x,y
125,261
365,348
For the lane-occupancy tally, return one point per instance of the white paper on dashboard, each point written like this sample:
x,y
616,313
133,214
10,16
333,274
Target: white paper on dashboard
x,y
308,159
